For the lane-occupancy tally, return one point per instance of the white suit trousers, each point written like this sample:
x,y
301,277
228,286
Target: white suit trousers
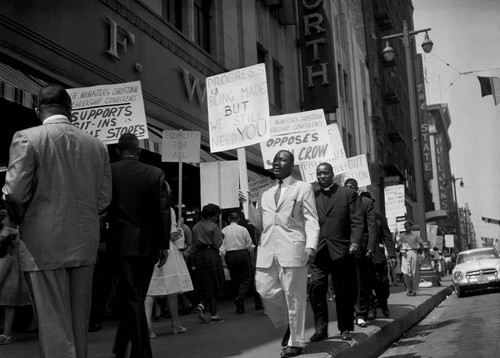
x,y
284,295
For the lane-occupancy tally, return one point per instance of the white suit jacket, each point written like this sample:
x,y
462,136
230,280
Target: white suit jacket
x,y
287,228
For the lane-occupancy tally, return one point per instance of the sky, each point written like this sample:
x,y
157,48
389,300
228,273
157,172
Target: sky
x,y
466,36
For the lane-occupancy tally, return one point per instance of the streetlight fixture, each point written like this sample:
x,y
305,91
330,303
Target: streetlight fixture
x,y
388,54
459,239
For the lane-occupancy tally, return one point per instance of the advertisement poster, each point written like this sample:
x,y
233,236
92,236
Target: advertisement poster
x,y
303,133
238,108
108,111
180,146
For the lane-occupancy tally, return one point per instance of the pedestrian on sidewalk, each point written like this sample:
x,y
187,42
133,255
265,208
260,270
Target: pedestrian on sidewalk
x,y
364,254
139,220
206,264
237,253
286,215
379,271
411,249
341,228
57,182
169,280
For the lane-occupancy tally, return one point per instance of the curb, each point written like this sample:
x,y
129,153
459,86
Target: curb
x,y
374,344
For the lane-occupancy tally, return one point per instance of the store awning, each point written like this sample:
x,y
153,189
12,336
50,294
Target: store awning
x,y
18,87
435,215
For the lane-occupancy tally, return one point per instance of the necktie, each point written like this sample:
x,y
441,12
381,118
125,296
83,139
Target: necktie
x,y
277,193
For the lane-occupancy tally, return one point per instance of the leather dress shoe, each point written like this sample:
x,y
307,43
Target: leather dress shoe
x,y
371,315
386,312
319,336
345,336
291,351
286,337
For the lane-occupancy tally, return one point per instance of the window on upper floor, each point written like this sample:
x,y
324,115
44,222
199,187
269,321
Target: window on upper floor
x,y
277,72
202,23
168,10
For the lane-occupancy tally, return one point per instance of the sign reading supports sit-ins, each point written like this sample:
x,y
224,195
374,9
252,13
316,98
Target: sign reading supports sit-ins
x,y
180,146
339,161
108,111
238,108
303,133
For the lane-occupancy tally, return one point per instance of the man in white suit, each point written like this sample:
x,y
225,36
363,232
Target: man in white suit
x,y
286,215
57,182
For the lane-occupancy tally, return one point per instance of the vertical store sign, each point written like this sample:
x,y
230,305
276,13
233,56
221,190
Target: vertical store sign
x,y
318,63
442,172
424,119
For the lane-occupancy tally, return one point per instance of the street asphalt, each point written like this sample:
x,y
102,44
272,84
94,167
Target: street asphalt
x,y
251,335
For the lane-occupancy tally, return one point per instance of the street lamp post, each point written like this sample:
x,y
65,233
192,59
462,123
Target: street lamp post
x,y
459,239
415,129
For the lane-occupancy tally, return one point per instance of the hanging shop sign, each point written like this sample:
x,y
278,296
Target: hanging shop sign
x,y
317,55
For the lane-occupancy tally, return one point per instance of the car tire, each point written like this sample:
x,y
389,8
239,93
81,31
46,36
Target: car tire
x,y
459,291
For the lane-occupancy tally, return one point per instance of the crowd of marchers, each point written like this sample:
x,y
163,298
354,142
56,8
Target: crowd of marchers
x,y
83,237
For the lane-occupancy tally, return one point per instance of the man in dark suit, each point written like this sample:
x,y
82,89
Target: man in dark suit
x,y
139,219
363,256
378,273
341,225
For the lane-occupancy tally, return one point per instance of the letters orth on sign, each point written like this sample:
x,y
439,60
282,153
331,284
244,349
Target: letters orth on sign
x,y
108,111
180,144
317,55
238,108
303,133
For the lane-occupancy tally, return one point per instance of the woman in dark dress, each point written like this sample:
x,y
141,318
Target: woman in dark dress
x,y
206,264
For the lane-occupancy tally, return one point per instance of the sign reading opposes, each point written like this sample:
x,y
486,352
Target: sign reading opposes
x,y
358,169
339,162
180,145
238,108
303,133
108,111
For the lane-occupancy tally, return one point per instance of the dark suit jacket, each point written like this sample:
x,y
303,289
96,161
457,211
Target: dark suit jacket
x,y
139,214
384,239
369,238
340,220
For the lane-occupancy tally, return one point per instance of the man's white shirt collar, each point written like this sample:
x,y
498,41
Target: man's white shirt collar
x,y
54,118
285,181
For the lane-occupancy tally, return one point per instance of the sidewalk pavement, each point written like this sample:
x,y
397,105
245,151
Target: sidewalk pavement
x,y
252,335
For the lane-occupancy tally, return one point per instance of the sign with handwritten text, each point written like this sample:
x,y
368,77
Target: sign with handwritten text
x,y
255,186
303,133
339,160
394,197
180,146
108,111
238,108
358,169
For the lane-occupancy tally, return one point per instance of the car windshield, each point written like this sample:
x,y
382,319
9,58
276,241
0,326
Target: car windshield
x,y
476,255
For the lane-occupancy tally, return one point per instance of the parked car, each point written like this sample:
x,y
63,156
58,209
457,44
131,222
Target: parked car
x,y
476,269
